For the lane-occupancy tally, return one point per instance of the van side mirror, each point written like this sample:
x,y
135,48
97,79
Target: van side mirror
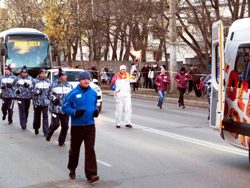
x,y
3,52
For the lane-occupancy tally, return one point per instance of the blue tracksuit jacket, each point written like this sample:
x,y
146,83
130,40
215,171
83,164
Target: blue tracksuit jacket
x,y
79,99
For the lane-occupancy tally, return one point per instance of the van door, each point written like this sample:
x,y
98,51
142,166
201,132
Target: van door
x,y
218,81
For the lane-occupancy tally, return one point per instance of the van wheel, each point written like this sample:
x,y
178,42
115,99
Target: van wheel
x,y
100,107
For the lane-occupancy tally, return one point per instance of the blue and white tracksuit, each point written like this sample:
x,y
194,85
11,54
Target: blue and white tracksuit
x,y
8,95
23,89
57,92
41,103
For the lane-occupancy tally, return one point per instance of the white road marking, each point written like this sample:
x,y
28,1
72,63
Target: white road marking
x,y
207,144
104,163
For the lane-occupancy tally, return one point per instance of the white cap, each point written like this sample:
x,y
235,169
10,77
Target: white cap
x,y
123,67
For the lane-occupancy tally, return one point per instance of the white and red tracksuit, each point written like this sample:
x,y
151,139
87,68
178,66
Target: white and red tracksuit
x,y
122,95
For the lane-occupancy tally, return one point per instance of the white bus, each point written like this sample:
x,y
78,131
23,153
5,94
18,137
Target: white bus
x,y
25,46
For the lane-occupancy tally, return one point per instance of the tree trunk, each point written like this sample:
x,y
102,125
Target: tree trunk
x,y
69,55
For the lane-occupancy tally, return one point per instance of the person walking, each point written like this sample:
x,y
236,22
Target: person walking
x,y
57,92
8,94
122,94
81,105
23,87
182,78
41,101
162,81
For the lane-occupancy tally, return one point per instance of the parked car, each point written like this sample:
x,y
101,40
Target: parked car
x,y
72,77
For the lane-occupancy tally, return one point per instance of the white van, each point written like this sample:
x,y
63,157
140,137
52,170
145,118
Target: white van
x,y
72,78
230,99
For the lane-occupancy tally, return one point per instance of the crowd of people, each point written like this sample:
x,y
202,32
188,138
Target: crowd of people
x,y
150,76
80,103
62,101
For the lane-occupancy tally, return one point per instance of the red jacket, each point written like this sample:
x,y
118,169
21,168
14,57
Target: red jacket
x,y
181,80
162,82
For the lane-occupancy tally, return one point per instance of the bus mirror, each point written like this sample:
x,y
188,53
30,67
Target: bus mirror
x,y
3,52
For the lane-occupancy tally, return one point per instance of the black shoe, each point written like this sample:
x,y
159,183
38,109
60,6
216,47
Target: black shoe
x,y
128,126
4,117
118,126
48,137
10,122
36,131
183,107
72,174
93,178
61,144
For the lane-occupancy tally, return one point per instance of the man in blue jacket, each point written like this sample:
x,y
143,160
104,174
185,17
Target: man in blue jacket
x,y
81,105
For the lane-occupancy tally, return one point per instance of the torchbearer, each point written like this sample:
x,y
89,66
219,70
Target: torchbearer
x,y
122,94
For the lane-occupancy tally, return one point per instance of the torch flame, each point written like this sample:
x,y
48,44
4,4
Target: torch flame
x,y
137,54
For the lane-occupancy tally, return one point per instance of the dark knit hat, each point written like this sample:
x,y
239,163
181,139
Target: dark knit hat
x,y
183,69
84,75
61,72
42,70
24,69
8,67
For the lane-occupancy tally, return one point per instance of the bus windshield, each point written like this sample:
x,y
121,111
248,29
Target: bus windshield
x,y
29,50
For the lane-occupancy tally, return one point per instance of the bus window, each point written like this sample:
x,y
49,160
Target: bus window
x,y
242,64
32,51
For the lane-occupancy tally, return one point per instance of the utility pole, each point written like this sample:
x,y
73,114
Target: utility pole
x,y
79,31
91,38
172,25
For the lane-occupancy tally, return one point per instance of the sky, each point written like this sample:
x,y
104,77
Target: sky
x,y
1,3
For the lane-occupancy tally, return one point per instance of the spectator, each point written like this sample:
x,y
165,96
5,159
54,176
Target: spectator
x,y
182,78
145,72
162,81
104,76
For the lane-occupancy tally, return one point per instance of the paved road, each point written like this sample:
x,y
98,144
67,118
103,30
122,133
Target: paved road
x,y
166,148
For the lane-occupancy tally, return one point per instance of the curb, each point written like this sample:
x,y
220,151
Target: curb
x,y
171,100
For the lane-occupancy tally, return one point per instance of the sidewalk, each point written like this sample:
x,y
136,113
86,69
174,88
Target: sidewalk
x,y
149,94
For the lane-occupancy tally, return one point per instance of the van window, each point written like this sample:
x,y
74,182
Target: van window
x,y
217,59
242,64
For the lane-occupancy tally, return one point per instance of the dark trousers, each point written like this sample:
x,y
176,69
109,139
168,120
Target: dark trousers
x,y
78,135
23,107
146,83
181,97
55,123
7,108
38,110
